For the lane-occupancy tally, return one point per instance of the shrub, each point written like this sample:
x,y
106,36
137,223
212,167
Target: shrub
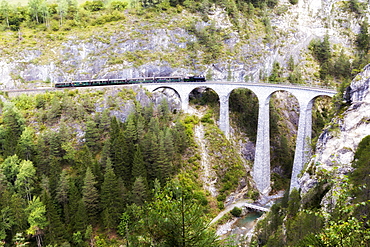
x,y
207,118
118,5
236,212
93,6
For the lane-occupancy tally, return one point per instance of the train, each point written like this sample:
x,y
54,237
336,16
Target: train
x,y
105,82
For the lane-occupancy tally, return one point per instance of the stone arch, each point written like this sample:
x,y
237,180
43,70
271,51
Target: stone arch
x,y
303,146
169,93
204,92
284,120
166,87
245,101
183,94
320,107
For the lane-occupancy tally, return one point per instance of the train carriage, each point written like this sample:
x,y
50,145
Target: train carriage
x,y
103,82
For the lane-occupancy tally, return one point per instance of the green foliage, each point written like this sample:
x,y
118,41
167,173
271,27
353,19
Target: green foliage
x,y
90,195
85,186
36,219
174,218
357,7
275,76
95,5
283,153
244,106
363,38
228,165
359,177
293,203
210,41
322,52
207,118
111,199
92,135
11,130
24,182
118,5
236,212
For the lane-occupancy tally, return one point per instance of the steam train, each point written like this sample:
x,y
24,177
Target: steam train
x,y
105,82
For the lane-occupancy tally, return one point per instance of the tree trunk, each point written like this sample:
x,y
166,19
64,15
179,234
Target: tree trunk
x,y
38,239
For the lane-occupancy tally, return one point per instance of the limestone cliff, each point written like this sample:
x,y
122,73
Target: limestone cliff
x,y
337,144
141,46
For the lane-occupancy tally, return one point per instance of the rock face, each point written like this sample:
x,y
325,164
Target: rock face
x,y
138,47
337,144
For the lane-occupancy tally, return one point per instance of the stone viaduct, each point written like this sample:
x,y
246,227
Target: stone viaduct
x,y
261,168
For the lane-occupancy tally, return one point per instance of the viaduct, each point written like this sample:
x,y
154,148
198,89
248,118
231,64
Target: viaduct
x,y
261,169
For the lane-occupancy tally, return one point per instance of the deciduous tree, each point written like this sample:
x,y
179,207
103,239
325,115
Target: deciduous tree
x,y
25,179
37,219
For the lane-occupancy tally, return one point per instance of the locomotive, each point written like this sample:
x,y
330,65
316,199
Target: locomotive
x,y
105,82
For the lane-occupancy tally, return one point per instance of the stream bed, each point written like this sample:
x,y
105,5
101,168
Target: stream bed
x,y
239,230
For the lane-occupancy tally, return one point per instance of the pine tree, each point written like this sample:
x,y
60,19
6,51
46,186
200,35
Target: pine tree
x,y
150,148
81,217
169,144
139,191
123,192
111,202
164,111
55,143
140,125
105,121
90,195
13,128
130,139
105,154
73,207
138,167
162,163
180,137
62,193
92,135
119,158
55,231
363,38
84,160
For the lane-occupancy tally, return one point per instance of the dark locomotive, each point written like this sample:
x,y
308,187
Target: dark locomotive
x,y
105,82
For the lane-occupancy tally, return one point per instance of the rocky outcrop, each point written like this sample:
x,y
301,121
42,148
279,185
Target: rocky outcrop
x,y
337,144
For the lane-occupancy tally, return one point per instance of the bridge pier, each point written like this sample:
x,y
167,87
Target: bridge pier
x,y
184,97
303,142
261,167
224,114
